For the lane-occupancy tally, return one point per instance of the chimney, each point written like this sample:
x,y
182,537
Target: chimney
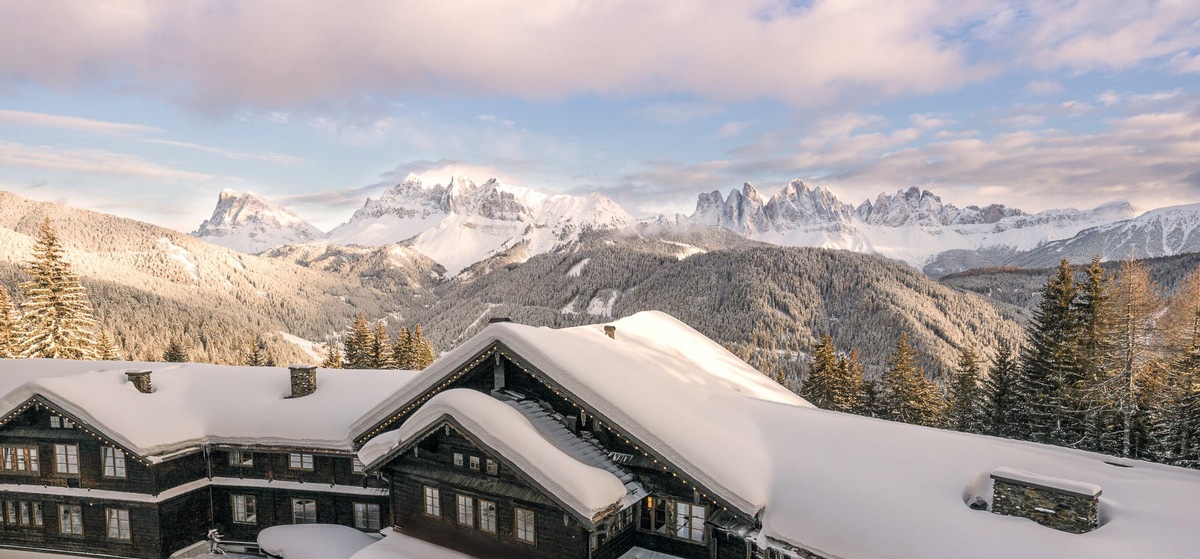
x,y
499,319
610,331
304,380
140,380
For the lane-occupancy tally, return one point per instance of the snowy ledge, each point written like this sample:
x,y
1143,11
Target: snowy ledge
x,y
1082,489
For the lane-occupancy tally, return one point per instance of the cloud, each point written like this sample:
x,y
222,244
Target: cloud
x,y
77,124
676,113
91,162
1043,87
268,157
495,120
732,128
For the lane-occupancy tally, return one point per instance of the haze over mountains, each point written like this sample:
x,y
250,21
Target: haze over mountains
x,y
462,223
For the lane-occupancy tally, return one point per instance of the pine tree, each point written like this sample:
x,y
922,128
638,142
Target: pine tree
x,y
1180,444
256,353
999,395
1050,365
402,350
8,327
848,388
1085,398
175,353
358,345
818,387
333,357
908,396
1134,374
965,393
57,316
381,349
105,349
423,352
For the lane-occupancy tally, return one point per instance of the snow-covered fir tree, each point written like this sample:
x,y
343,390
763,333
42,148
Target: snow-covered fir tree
x,y
381,349
1049,364
965,401
848,396
423,352
818,387
175,352
1093,316
907,395
106,350
358,344
999,393
57,319
8,327
402,350
333,356
256,354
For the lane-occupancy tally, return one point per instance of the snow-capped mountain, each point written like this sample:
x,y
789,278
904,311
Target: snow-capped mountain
x,y
248,223
912,226
1162,232
462,223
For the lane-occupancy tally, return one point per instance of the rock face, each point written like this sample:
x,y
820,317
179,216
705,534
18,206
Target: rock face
x,y
248,223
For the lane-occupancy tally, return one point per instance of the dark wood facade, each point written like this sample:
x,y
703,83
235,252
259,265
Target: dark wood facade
x,y
89,495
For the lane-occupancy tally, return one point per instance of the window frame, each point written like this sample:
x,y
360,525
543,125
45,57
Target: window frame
x,y
55,422
67,459
243,458
73,513
432,500
366,514
473,462
464,510
531,524
248,509
304,503
458,460
685,518
487,511
492,467
299,458
115,457
356,466
124,527
23,458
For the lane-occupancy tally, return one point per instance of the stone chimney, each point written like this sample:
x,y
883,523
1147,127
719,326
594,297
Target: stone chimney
x,y
140,380
304,380
1062,504
610,331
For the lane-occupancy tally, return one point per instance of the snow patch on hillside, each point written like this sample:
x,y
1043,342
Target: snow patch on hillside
x,y
181,255
308,347
578,268
600,307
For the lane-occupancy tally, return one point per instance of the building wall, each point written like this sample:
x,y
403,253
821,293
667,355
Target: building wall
x,y
145,537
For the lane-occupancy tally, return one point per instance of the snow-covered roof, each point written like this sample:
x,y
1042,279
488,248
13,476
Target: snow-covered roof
x,y
194,404
840,485
584,489
658,379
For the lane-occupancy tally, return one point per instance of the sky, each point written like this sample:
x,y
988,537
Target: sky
x,y
148,109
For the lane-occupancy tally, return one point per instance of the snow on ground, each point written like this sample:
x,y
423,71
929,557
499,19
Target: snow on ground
x,y
313,541
569,308
586,489
309,348
192,403
639,553
688,250
180,255
399,546
600,307
578,268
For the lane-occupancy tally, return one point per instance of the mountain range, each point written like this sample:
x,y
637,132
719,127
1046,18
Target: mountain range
x,y
462,224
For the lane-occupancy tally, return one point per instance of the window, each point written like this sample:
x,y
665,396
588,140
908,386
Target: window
x,y
304,511
19,459
433,502
487,516
466,511
475,463
24,510
298,461
492,467
36,507
458,459
654,514
245,509
29,513
114,462
356,466
10,512
67,423
241,458
55,422
526,529
117,523
366,516
70,520
66,458
689,521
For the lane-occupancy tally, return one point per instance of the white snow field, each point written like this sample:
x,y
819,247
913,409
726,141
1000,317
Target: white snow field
x,y
840,485
313,541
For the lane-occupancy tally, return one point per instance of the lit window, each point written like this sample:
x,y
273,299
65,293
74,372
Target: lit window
x,y
118,523
10,512
357,466
245,509
366,516
475,463
526,529
241,458
487,516
689,521
55,422
466,510
298,461
67,423
492,467
433,502
114,462
70,520
458,459
66,459
304,511
19,459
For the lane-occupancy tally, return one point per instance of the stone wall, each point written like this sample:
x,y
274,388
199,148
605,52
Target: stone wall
x,y
1070,512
